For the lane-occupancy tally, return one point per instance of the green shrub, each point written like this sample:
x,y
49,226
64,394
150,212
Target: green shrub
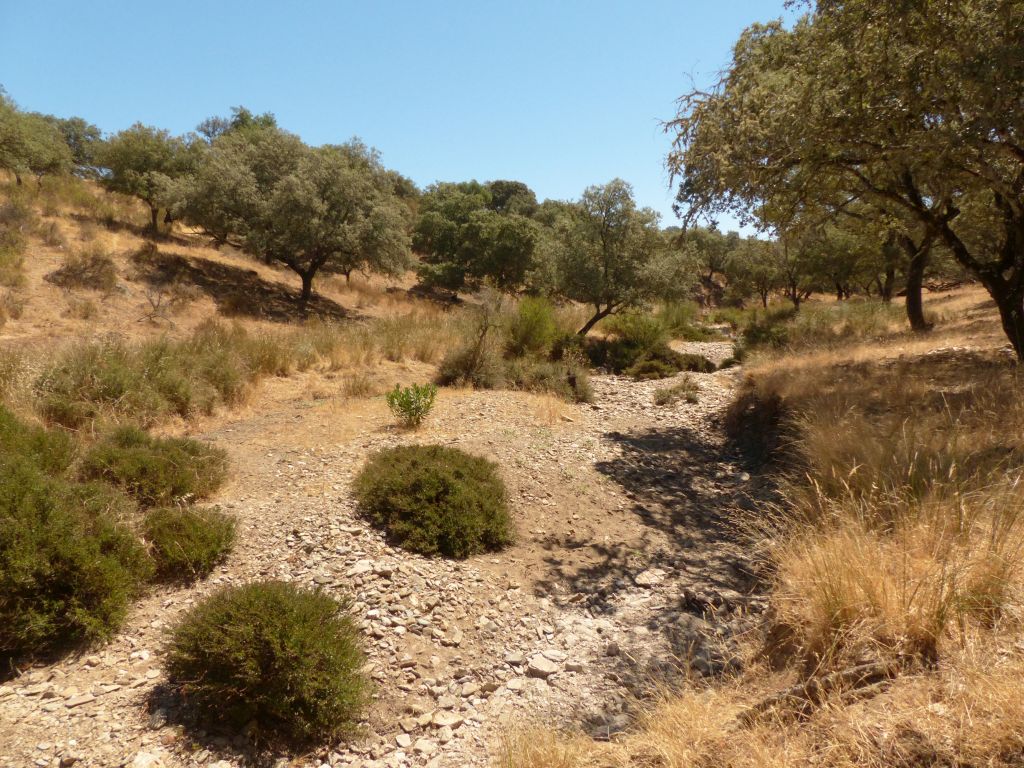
x,y
566,378
435,500
686,389
639,331
533,328
768,329
188,543
476,365
411,404
694,363
156,470
160,378
68,569
681,321
92,268
50,450
284,659
653,368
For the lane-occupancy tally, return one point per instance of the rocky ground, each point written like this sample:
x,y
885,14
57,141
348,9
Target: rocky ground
x,y
626,571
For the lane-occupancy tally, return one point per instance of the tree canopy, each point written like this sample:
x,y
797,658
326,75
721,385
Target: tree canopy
x,y
142,161
469,232
312,209
612,255
910,107
30,143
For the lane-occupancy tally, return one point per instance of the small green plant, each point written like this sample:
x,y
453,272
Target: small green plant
x,y
156,470
435,500
68,569
284,659
686,389
411,404
188,543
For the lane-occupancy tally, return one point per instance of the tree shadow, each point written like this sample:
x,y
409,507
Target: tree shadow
x,y
686,489
167,706
237,292
685,493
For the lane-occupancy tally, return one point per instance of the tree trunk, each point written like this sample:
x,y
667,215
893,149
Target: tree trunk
x,y
154,216
598,316
885,287
307,288
915,279
17,178
764,299
1011,314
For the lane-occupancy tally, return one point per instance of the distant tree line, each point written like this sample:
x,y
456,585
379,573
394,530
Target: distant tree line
x,y
243,181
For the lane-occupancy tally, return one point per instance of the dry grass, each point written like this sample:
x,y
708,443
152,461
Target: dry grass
x,y
901,537
548,409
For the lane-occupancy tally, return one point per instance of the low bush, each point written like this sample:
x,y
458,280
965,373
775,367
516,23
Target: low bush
x,y
533,329
68,568
411,404
149,381
663,363
49,450
638,331
686,389
156,470
567,378
51,234
284,659
188,543
92,268
435,500
478,365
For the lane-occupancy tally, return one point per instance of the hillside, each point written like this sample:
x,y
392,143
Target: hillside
x,y
633,576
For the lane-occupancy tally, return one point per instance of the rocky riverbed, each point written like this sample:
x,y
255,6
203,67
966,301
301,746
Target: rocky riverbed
x,y
627,572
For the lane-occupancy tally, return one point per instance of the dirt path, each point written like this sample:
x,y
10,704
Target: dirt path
x,y
624,548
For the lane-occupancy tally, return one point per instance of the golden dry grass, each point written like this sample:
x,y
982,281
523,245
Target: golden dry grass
x,y
901,536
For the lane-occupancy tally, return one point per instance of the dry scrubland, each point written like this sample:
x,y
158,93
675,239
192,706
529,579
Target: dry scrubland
x,y
865,479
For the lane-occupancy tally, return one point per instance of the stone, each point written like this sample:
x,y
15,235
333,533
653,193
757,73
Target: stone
x,y
360,568
404,740
650,578
612,649
146,760
541,667
443,718
447,702
424,747
77,701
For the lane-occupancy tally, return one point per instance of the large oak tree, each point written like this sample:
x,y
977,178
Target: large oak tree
x,y
312,209
912,107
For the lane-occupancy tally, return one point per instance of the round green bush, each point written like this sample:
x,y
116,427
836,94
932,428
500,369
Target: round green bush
x,y
50,450
188,543
68,569
156,470
288,660
435,500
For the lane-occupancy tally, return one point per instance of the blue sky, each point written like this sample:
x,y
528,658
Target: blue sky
x,y
560,94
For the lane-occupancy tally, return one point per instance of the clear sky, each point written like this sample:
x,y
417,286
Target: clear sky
x,y
560,94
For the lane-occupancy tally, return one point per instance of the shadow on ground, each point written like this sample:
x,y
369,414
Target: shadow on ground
x,y
685,489
237,292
